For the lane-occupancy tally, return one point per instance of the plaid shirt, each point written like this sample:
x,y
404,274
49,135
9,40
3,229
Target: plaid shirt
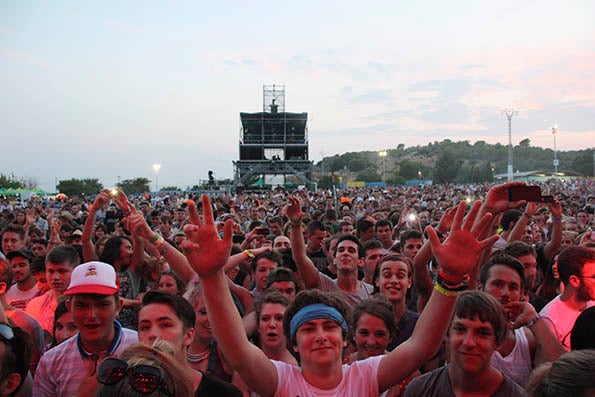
x,y
62,369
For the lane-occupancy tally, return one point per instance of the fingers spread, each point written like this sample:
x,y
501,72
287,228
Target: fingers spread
x,y
207,210
458,219
193,213
470,218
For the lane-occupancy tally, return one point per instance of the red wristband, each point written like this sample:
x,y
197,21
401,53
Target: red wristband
x,y
449,278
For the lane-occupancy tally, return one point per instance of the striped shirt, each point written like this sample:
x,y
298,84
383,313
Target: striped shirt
x,y
62,369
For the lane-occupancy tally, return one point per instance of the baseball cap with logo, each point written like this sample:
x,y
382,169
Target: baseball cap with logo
x,y
93,278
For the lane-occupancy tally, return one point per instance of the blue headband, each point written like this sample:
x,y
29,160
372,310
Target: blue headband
x,y
314,312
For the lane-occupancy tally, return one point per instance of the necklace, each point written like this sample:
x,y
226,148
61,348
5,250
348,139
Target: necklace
x,y
196,358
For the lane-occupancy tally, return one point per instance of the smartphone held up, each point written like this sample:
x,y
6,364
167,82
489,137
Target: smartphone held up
x,y
528,193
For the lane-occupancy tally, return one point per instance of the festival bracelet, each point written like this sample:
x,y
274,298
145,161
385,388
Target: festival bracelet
x,y
444,291
248,254
535,319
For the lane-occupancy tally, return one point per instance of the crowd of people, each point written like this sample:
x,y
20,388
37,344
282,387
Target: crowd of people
x,y
434,290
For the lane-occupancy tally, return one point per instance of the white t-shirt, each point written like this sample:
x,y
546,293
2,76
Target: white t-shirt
x,y
560,318
365,290
19,299
360,379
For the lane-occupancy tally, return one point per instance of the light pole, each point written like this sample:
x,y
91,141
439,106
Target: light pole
x,y
509,113
383,154
556,162
156,168
419,176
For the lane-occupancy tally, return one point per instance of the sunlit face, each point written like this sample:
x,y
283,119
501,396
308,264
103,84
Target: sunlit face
x,y
471,344
394,280
270,325
320,342
371,336
167,283
64,328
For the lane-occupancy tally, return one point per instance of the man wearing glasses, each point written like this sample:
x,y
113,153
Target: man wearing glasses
x,y
95,304
576,266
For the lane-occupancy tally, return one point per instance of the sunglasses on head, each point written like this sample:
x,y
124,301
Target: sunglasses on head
x,y
144,379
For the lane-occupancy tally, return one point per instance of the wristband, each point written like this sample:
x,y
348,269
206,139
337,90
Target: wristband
x,y
296,224
448,279
164,249
533,321
556,218
248,254
462,286
155,238
444,291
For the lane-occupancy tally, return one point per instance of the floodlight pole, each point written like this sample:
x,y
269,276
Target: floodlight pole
x,y
156,168
509,113
556,162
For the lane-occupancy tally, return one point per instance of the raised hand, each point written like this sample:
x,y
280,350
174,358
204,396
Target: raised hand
x,y
102,199
206,252
446,221
122,201
293,210
556,209
497,199
136,223
459,252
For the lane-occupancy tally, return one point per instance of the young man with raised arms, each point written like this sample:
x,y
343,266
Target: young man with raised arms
x,y
316,325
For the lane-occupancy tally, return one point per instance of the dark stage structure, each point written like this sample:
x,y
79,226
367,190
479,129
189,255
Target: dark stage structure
x,y
273,145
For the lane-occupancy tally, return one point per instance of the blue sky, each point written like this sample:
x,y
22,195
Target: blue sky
x,y
106,89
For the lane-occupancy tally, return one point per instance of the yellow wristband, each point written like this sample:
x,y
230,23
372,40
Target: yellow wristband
x,y
444,291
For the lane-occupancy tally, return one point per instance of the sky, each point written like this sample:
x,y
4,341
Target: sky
x,y
107,89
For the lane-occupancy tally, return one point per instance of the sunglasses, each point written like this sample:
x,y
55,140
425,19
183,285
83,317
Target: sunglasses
x,y
144,379
6,334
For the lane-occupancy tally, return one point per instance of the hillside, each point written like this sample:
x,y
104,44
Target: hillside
x,y
449,161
